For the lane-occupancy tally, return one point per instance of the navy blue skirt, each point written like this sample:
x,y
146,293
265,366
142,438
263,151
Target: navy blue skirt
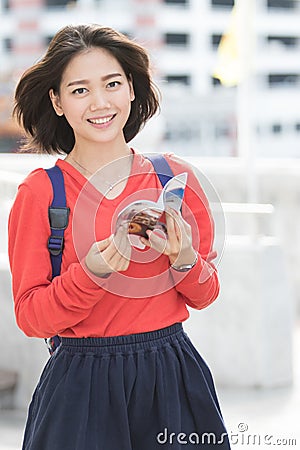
x,y
144,391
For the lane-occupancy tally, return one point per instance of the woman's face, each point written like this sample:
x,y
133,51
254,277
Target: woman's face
x,y
95,97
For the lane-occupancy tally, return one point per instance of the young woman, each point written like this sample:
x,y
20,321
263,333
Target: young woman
x,y
125,376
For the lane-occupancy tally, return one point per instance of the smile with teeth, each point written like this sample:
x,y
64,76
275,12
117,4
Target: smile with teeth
x,y
102,120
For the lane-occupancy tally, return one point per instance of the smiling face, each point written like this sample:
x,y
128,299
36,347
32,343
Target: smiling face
x,y
95,97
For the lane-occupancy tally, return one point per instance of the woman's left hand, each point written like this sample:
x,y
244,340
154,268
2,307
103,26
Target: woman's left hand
x,y
177,244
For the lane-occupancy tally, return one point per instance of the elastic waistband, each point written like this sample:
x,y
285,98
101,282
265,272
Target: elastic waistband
x,y
122,343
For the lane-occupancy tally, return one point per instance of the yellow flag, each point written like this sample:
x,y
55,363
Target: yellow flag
x,y
228,69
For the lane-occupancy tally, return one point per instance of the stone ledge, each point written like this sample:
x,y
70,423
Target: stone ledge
x,y
8,379
8,384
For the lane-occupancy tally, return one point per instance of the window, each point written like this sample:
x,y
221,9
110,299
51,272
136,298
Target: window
x,y
222,130
179,79
176,2
282,4
177,39
9,144
47,40
215,40
283,79
59,3
276,128
181,132
7,43
128,34
215,81
287,41
222,3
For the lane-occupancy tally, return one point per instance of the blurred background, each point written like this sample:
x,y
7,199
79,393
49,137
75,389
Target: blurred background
x,y
229,74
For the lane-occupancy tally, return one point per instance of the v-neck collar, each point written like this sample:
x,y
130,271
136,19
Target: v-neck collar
x,y
86,183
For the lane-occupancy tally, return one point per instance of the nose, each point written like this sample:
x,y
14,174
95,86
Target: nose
x,y
99,100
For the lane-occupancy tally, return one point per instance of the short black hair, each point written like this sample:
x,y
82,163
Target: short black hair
x,y
48,133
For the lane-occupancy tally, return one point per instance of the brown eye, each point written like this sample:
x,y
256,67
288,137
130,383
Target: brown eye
x,y
113,84
79,91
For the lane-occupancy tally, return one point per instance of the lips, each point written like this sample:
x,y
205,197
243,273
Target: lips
x,y
101,120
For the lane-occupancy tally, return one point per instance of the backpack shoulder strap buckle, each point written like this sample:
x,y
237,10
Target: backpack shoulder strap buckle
x,y
58,217
55,245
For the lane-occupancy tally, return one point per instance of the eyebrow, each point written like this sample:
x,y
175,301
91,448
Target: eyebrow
x,y
105,78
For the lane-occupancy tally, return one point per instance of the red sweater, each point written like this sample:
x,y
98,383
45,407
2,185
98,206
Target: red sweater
x,y
149,295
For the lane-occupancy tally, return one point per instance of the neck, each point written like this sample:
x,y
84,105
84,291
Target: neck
x,y
111,169
96,158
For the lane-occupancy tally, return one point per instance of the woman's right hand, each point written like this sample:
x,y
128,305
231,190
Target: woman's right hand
x,y
110,255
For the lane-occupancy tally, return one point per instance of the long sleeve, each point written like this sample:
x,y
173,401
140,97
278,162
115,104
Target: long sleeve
x,y
43,307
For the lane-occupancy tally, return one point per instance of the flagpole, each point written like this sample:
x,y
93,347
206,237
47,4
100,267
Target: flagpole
x,y
245,10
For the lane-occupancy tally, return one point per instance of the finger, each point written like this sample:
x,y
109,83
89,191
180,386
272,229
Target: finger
x,y
121,237
174,230
120,252
179,221
187,226
122,244
121,231
145,241
173,212
119,260
156,241
115,244
102,245
123,265
182,227
177,216
104,260
110,260
117,263
114,257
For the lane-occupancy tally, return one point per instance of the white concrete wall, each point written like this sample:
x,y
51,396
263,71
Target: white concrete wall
x,y
246,336
24,355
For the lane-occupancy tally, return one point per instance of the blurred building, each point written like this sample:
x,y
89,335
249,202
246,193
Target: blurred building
x,y
199,114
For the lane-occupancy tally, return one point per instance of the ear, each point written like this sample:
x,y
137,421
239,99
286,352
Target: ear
x,y
56,103
132,94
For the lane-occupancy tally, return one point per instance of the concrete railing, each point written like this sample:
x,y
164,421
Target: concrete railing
x,y
252,219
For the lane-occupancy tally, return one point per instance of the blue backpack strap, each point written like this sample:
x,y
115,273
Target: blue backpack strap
x,y
161,167
58,219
